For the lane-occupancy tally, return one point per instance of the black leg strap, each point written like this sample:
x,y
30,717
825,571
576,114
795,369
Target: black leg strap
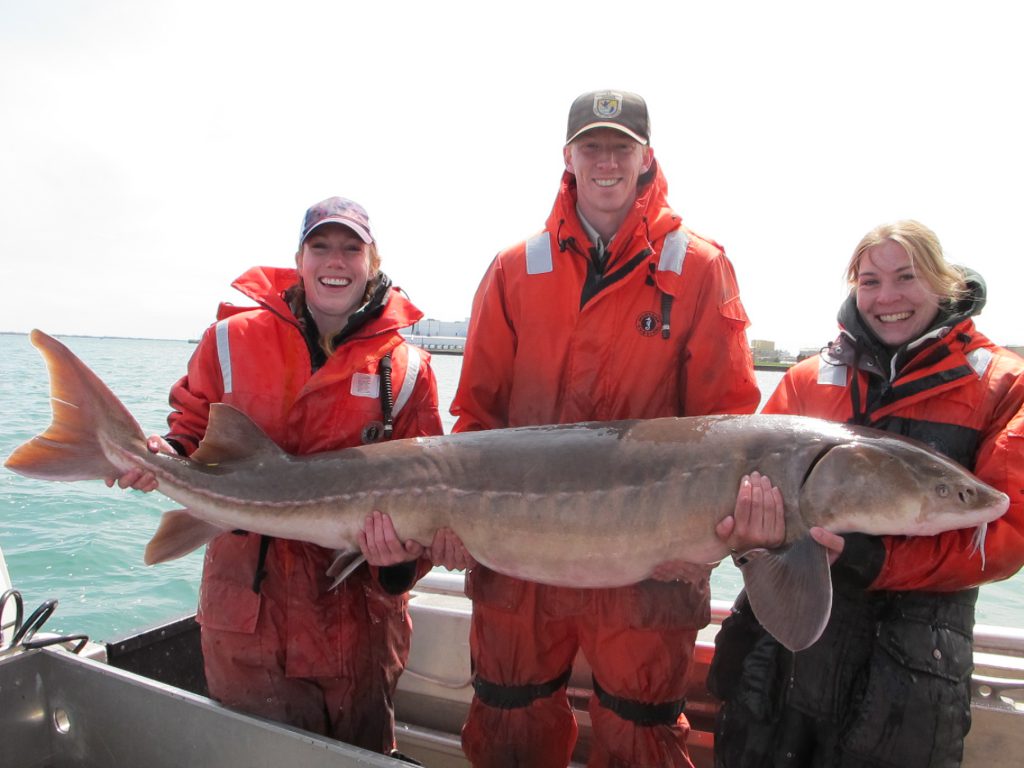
x,y
640,712
516,696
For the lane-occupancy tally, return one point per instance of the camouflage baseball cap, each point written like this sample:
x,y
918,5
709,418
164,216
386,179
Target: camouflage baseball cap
x,y
337,210
621,110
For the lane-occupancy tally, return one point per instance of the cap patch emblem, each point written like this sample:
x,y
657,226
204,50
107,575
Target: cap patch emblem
x,y
608,105
648,323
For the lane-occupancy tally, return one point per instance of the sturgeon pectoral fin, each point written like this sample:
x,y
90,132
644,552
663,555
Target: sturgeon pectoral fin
x,y
344,563
790,591
178,534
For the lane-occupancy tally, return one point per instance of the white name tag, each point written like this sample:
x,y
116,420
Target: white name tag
x,y
366,385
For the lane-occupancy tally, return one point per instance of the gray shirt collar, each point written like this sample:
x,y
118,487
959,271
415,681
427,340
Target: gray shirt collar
x,y
595,237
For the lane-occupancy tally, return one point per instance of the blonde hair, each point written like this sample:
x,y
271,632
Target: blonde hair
x,y
925,252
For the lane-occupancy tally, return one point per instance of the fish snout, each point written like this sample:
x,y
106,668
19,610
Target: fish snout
x,y
982,503
999,507
957,503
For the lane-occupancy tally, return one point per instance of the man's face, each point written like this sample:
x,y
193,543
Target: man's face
x,y
607,164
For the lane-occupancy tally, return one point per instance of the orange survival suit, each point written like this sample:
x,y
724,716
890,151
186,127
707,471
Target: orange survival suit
x,y
888,683
660,331
277,642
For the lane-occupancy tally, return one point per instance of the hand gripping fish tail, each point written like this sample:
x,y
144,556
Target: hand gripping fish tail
x,y
596,504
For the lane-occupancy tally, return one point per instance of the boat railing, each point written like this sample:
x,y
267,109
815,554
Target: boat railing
x,y
1004,641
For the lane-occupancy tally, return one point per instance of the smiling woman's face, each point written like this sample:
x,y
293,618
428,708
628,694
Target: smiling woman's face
x,y
334,264
897,304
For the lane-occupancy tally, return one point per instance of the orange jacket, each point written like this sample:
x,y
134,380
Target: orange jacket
x,y
962,385
257,360
273,383
661,333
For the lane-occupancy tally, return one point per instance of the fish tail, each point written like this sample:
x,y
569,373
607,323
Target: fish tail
x,y
87,416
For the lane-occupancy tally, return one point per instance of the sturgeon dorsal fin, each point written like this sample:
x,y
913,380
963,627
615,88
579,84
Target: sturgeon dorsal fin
x,y
231,436
790,591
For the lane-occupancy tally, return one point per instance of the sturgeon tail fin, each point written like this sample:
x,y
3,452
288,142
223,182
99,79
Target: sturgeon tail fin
x,y
86,415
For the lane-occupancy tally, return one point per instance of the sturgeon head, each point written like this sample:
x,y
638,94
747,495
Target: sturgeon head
x,y
879,483
866,481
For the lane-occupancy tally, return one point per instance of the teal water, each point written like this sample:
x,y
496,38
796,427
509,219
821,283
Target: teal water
x,y
82,542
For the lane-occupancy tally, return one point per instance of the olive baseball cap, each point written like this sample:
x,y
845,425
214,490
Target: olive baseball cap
x,y
621,110
337,210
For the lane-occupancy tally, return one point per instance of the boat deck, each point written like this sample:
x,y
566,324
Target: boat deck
x,y
142,701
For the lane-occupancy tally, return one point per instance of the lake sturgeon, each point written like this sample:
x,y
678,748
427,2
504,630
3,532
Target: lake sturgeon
x,y
587,505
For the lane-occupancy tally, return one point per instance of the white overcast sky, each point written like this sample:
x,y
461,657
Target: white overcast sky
x,y
151,150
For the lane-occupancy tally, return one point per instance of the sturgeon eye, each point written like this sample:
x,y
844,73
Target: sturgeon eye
x,y
942,490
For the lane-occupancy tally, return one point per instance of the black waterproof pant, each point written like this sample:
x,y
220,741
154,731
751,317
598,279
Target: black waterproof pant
x,y
887,685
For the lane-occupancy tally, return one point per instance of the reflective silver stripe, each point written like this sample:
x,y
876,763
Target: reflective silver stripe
x,y
412,371
979,360
224,355
673,251
538,254
831,374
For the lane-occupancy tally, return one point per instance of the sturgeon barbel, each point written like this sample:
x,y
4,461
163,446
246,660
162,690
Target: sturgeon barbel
x,y
586,505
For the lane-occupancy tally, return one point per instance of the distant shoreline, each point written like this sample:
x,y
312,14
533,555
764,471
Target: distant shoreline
x,y
443,345
437,345
88,336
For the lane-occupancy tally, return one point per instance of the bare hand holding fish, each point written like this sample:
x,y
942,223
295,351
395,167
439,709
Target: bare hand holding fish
x,y
138,478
